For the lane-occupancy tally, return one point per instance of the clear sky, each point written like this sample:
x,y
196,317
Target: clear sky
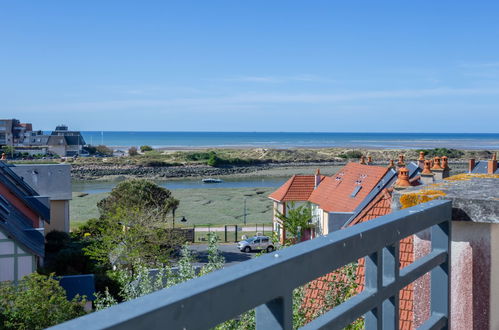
x,y
415,66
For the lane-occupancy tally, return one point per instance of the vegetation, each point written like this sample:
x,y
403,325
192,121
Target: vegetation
x,y
140,281
139,195
295,220
351,154
146,148
103,150
133,227
440,152
36,302
132,151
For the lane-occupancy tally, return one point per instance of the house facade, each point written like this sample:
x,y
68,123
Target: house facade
x,y
23,216
54,182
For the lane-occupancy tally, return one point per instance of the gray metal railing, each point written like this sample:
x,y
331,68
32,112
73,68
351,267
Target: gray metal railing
x,y
267,282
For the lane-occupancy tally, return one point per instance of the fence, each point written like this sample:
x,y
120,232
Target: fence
x,y
232,233
267,282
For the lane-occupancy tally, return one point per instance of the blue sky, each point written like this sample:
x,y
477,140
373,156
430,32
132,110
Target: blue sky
x,y
415,66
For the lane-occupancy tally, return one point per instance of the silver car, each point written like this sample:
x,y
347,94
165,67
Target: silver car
x,y
256,243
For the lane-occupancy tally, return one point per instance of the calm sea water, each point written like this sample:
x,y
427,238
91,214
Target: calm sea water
x,y
289,139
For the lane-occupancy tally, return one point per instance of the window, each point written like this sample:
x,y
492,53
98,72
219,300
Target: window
x,y
257,241
265,240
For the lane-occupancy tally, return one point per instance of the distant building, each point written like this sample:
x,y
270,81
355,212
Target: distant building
x,y
13,132
64,142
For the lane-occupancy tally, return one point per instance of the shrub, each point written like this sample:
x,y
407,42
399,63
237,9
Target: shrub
x,y
440,152
103,150
36,302
352,154
146,148
132,151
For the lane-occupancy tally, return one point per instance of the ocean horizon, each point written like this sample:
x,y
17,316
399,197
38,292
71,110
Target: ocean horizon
x,y
126,139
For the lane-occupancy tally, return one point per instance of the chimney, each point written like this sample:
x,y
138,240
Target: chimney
x,y
401,162
471,165
369,160
363,160
437,169
317,178
392,164
421,160
403,178
492,164
445,166
427,177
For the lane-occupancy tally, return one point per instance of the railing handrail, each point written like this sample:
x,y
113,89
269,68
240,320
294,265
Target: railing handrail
x,y
269,280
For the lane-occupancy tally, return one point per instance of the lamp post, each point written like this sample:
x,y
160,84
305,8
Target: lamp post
x,y
299,233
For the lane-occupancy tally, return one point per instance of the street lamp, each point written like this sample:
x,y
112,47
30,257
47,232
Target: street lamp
x,y
299,233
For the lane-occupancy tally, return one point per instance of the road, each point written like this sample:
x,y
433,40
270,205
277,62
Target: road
x,y
230,252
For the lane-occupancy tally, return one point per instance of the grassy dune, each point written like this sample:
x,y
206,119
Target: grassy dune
x,y
199,206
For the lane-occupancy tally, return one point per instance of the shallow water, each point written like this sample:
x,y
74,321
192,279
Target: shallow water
x,y
95,187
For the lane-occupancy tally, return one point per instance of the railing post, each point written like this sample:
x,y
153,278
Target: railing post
x,y
373,278
391,268
276,314
440,275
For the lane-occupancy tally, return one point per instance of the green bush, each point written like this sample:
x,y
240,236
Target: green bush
x,y
440,152
146,148
103,150
36,302
352,154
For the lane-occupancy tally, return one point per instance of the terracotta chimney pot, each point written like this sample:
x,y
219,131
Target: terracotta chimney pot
x,y
363,160
427,169
421,156
392,163
436,164
369,159
403,178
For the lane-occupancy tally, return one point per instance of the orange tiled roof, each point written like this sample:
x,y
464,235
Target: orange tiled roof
x,y
298,188
334,193
316,291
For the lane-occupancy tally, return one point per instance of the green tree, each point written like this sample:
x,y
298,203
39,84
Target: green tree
x,y
36,302
146,148
296,219
138,195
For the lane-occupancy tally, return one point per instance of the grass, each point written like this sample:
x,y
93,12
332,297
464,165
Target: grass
x,y
199,206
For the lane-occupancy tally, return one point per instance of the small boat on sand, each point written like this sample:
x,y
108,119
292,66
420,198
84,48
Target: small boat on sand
x,y
211,180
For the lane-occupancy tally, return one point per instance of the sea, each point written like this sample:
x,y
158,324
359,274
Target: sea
x,y
174,140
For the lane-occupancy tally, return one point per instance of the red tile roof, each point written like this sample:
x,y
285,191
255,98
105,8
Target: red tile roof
x,y
316,291
298,188
334,193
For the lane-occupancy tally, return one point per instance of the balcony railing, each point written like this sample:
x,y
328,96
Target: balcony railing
x,y
267,282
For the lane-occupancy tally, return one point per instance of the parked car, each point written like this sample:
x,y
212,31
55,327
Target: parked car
x,y
256,243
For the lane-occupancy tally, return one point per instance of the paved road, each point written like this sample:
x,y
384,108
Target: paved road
x,y
229,251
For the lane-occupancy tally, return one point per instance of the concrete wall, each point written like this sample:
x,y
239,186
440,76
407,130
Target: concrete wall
x,y
59,216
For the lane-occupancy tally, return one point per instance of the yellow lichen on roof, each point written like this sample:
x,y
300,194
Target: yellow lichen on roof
x,y
422,196
469,176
